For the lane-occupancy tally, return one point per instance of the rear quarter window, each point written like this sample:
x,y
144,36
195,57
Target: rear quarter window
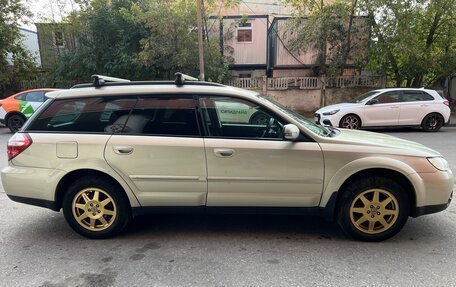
x,y
92,115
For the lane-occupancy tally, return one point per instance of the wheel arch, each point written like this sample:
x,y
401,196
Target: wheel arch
x,y
11,113
74,175
433,112
362,168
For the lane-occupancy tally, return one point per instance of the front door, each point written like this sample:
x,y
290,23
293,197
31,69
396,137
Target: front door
x,y
385,111
161,153
250,164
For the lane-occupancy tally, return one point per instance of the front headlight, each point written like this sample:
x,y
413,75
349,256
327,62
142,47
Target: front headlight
x,y
330,113
439,163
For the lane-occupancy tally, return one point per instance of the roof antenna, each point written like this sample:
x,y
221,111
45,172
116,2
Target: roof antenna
x,y
181,78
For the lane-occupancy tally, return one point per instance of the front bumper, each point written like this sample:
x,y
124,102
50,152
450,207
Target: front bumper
x,y
433,190
332,120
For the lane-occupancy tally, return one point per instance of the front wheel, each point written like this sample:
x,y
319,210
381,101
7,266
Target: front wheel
x,y
15,123
350,122
96,208
373,209
432,123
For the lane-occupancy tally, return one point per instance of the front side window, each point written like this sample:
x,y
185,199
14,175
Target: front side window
x,y
94,115
388,97
237,118
166,115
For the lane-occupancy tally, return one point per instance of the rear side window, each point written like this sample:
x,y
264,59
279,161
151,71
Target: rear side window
x,y
94,115
416,96
164,115
35,97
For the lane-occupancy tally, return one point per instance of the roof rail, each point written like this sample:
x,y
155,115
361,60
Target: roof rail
x,y
181,78
100,80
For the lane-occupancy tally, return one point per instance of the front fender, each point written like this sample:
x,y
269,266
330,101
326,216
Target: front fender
x,y
337,180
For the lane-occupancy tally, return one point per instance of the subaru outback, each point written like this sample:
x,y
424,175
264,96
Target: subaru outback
x,y
109,151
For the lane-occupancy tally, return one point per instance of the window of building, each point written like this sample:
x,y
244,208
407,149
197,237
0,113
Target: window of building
x,y
59,39
245,76
245,32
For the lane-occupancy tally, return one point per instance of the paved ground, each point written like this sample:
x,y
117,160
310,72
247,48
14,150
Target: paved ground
x,y
37,248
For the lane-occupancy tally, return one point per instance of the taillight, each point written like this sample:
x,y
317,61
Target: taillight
x,y
446,103
17,144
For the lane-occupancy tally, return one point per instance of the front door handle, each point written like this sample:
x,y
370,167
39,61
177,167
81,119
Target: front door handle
x,y
223,152
123,149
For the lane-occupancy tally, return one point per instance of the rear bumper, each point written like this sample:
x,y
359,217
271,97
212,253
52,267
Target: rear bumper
x,y
35,201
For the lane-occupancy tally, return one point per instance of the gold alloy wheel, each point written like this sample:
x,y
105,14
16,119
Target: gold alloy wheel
x,y
94,209
374,211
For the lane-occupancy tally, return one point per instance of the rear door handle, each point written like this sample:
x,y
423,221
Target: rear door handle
x,y
123,149
223,152
395,107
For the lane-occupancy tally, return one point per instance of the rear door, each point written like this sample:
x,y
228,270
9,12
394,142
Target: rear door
x,y
160,152
250,164
414,107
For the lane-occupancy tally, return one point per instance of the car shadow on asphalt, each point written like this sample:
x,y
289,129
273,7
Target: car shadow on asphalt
x,y
253,224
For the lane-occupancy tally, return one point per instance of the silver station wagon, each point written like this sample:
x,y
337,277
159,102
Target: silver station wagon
x,y
108,151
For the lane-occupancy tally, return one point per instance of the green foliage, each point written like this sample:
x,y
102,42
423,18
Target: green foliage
x,y
144,40
414,42
23,65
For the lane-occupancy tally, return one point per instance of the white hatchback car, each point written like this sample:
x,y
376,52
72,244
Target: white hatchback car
x,y
389,107
108,151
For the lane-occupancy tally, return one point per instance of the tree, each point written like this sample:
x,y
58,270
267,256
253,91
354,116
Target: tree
x,y
414,42
21,64
140,40
171,43
108,42
331,30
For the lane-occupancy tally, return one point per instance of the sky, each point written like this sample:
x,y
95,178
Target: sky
x,y
47,11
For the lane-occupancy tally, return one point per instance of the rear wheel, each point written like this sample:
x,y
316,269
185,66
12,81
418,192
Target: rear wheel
x,y
350,122
96,208
373,209
432,122
15,122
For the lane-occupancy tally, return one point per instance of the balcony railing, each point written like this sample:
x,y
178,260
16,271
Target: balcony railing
x,y
307,83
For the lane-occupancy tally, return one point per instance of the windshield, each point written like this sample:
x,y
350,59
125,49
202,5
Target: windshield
x,y
363,97
317,129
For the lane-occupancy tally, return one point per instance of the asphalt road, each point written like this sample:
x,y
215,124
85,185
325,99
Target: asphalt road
x,y
37,248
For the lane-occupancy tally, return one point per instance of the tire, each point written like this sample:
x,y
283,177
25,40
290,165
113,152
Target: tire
x,y
350,121
15,122
258,118
432,122
363,217
104,217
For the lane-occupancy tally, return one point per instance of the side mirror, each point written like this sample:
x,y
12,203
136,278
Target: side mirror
x,y
372,102
290,132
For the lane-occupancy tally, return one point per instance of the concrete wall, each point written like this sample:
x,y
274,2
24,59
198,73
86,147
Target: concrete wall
x,y
308,101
